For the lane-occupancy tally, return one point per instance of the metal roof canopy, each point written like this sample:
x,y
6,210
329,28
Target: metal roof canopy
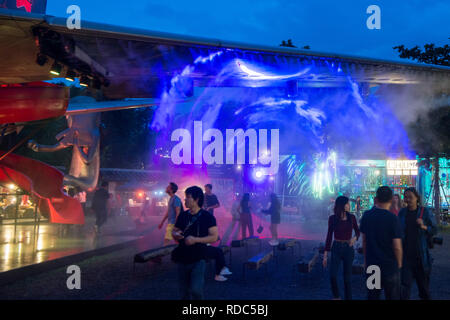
x,y
137,61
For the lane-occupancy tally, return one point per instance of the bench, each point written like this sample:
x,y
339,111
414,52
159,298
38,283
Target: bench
x,y
321,248
358,264
226,249
152,254
306,264
257,261
285,244
246,242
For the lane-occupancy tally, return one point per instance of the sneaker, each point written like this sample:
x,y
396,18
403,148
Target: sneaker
x,y
274,242
219,277
225,272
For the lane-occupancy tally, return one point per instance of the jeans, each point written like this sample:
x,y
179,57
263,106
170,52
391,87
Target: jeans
x,y
414,270
341,252
216,254
246,222
391,286
191,279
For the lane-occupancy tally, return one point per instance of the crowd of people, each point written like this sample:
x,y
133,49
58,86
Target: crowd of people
x,y
195,229
394,239
394,236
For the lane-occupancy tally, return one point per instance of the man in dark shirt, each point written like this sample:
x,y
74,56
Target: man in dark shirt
x,y
418,224
99,205
193,229
211,201
382,245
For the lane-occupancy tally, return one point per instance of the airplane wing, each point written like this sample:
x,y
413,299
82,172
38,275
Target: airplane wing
x,y
132,63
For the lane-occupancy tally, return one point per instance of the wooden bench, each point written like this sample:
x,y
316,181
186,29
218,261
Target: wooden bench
x,y
246,242
306,264
257,261
285,244
321,248
358,264
152,254
226,250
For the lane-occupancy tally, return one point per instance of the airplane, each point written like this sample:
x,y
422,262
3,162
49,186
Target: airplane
x,y
130,68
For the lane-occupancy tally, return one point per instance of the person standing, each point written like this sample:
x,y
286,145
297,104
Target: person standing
x,y
275,218
173,211
81,196
396,205
341,224
382,245
99,205
211,201
358,207
193,229
245,216
234,224
417,223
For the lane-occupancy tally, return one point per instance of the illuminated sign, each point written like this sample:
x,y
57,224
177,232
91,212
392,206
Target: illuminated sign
x,y
401,167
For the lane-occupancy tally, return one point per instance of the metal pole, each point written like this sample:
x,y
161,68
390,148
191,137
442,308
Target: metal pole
x,y
437,193
35,213
15,217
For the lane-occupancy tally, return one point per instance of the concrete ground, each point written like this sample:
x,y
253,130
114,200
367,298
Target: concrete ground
x,y
111,276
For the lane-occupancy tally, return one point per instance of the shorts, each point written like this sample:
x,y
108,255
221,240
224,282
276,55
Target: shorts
x,y
168,235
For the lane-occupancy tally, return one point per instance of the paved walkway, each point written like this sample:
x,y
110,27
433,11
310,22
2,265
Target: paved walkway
x,y
31,245
111,276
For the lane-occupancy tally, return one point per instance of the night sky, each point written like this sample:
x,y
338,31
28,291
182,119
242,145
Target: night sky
x,y
326,26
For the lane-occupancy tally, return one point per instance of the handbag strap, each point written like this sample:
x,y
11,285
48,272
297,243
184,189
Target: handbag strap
x,y
421,212
194,219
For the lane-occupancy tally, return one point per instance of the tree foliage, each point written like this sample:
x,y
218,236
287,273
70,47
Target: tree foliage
x,y
430,133
126,139
430,54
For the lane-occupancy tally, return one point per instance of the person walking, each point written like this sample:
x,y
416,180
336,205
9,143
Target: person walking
x,y
418,224
193,229
99,205
245,216
275,218
211,201
382,245
233,228
173,211
341,224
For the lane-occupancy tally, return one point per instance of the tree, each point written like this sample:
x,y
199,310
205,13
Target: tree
x,y
430,133
430,54
287,44
126,139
